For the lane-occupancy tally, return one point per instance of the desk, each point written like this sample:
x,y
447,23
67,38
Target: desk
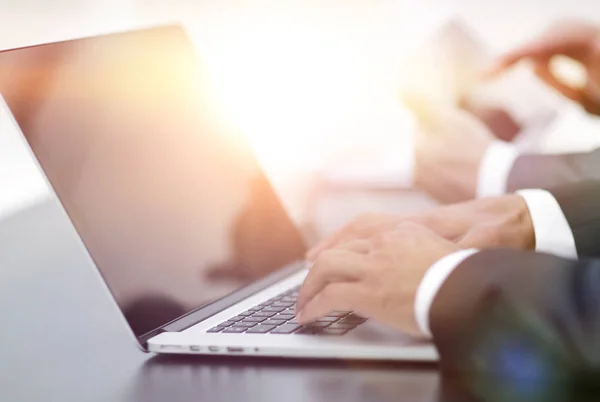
x,y
63,341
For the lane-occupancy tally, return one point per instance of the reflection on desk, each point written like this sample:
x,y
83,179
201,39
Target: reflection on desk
x,y
215,379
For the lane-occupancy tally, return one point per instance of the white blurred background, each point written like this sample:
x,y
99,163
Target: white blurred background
x,y
306,80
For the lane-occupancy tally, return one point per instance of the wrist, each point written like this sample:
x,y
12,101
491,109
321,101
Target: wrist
x,y
524,225
467,179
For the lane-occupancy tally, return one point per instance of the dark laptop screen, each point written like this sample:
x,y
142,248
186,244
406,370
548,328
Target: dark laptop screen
x,y
168,200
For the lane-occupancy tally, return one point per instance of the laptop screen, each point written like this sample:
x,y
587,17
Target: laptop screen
x,y
168,200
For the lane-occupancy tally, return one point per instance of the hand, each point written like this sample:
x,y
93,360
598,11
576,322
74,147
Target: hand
x,y
376,277
496,119
574,39
448,150
490,222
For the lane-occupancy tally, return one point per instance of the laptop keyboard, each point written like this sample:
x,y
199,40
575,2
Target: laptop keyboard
x,y
276,316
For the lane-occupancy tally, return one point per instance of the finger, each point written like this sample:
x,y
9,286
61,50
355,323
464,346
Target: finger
x,y
543,48
358,229
548,45
337,297
360,246
328,242
331,266
543,72
500,65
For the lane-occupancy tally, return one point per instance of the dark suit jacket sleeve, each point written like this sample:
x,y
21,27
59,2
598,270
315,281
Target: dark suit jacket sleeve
x,y
502,309
580,202
546,171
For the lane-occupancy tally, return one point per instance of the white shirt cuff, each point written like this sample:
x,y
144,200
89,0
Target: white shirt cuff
x,y
433,279
495,168
553,234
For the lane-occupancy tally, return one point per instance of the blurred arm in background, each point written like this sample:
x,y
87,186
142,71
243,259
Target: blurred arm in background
x,y
458,158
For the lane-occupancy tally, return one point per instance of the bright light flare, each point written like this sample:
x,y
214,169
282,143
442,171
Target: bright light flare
x,y
302,93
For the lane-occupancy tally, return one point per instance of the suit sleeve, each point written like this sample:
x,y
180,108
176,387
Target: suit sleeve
x,y
580,203
505,312
547,171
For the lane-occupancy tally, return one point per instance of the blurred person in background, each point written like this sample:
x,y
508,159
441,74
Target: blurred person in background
x,y
507,287
457,158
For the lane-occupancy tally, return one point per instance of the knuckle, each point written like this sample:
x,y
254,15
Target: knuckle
x,y
324,260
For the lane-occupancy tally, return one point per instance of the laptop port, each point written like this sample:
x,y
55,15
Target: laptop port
x,y
195,348
235,349
170,347
213,348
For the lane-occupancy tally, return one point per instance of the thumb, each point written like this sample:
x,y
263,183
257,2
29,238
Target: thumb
x,y
540,49
543,72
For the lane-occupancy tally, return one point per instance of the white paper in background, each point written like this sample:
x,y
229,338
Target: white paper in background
x,y
21,182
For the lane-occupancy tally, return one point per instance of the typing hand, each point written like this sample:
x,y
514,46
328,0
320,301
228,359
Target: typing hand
x,y
491,222
376,277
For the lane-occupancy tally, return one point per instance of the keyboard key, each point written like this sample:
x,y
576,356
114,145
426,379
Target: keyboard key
x,y
260,329
215,329
333,331
284,304
318,324
254,319
226,324
312,328
292,321
285,315
234,330
244,324
327,319
338,314
307,331
288,299
267,314
273,309
272,321
245,314
236,318
254,309
291,291
341,325
354,319
285,329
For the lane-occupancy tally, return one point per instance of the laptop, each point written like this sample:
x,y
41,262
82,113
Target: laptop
x,y
187,234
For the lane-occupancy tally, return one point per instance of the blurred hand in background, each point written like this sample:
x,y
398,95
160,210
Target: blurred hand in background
x,y
449,148
577,40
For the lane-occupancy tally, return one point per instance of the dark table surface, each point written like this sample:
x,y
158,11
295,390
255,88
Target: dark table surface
x,y
62,340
